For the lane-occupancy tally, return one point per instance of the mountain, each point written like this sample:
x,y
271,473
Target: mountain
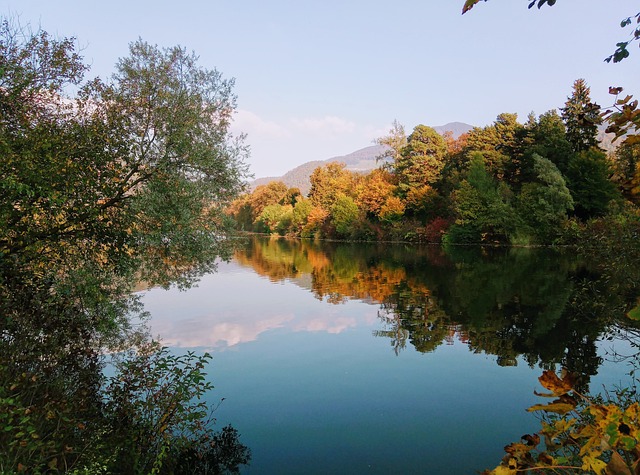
x,y
362,160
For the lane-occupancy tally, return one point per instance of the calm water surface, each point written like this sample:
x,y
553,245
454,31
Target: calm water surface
x,y
388,359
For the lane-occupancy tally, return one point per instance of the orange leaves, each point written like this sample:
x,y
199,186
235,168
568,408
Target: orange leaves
x,y
557,385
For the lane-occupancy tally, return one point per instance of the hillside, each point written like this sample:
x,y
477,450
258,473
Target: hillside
x,y
362,160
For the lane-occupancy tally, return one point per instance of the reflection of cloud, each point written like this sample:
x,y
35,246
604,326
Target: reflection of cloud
x,y
207,332
236,306
334,326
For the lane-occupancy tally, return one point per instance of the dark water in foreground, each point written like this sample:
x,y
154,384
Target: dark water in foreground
x,y
392,359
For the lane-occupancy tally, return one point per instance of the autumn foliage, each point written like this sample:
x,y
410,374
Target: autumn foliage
x,y
506,183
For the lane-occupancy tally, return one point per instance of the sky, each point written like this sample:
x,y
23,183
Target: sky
x,y
320,79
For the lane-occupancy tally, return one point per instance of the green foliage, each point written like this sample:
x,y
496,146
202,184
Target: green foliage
x,y
329,183
275,218
544,204
344,214
157,419
422,159
483,206
549,140
301,212
588,180
499,145
136,169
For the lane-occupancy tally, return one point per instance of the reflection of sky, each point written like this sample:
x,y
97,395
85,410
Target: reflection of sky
x,y
235,305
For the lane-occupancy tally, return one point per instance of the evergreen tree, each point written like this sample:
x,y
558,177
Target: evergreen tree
x,y
582,117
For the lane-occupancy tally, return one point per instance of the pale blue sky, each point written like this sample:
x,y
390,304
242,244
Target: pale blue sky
x,y
317,79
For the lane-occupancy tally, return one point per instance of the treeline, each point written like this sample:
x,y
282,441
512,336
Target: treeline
x,y
540,182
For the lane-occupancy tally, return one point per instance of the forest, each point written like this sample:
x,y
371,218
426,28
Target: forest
x,y
544,182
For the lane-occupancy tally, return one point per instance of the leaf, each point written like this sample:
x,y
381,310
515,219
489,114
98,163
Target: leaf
x,y
560,406
634,313
558,386
595,464
501,470
468,5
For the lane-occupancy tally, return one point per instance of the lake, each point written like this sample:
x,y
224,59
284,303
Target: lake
x,y
376,358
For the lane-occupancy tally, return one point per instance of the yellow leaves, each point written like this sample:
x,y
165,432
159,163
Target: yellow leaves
x,y
500,470
562,405
596,438
594,464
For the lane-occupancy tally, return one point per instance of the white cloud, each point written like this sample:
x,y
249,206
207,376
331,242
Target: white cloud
x,y
328,125
278,145
254,125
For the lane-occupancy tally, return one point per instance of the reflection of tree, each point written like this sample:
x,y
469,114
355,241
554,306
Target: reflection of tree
x,y
414,316
546,306
58,410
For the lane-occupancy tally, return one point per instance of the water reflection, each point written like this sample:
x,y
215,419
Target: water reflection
x,y
547,306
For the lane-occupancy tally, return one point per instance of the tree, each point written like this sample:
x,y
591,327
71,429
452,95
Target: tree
x,y
422,159
123,181
581,117
373,190
545,202
624,116
137,169
499,145
344,214
301,212
626,164
482,207
549,140
330,182
394,142
274,192
588,180
275,218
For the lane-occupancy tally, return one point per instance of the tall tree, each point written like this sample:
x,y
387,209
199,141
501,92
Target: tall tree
x,y
581,117
422,159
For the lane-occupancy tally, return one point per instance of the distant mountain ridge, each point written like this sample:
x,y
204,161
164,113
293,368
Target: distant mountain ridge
x,y
362,160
